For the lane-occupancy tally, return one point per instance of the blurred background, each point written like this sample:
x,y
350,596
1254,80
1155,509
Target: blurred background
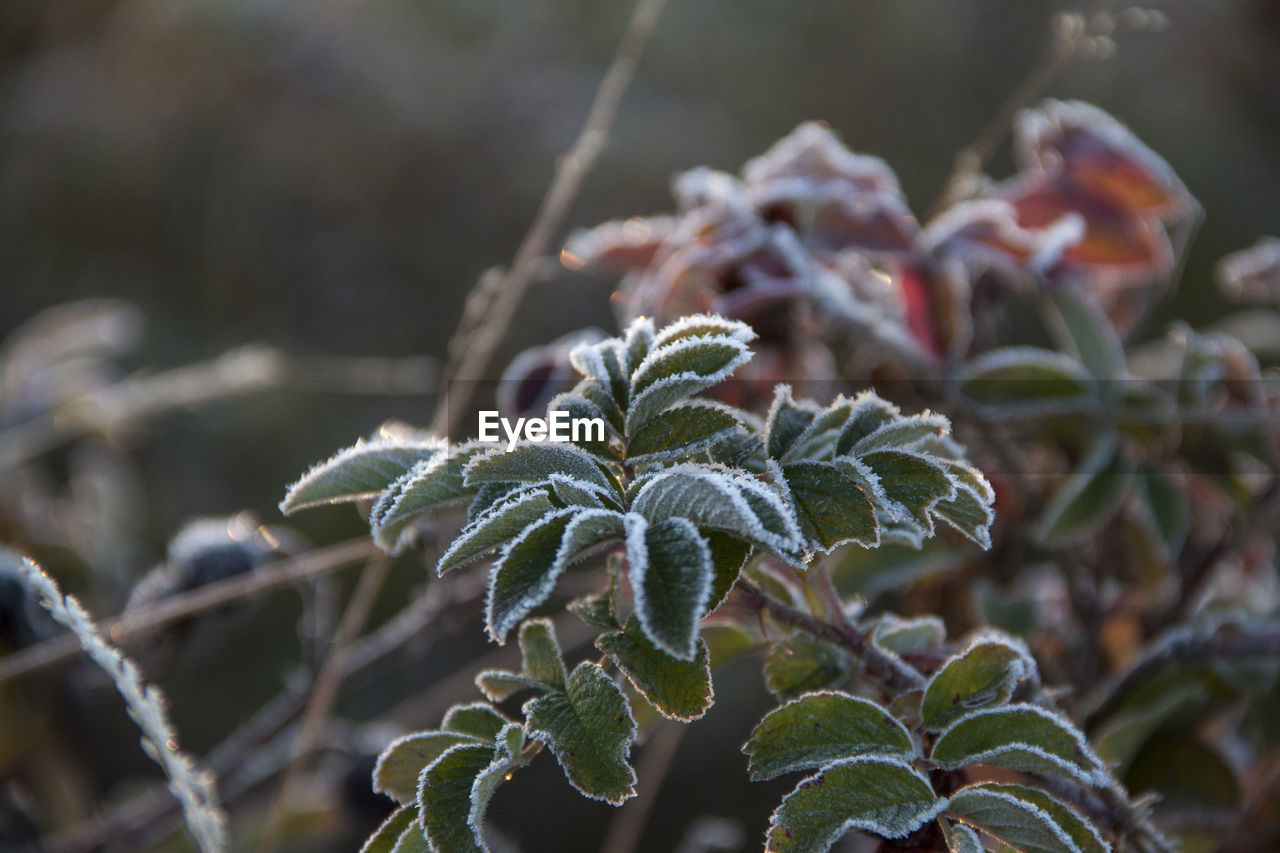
x,y
330,178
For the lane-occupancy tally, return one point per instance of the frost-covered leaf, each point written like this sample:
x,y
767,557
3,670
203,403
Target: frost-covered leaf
x,y
820,437
820,728
386,836
589,729
402,762
670,573
872,793
435,482
579,407
1027,380
696,325
534,463
982,675
678,370
498,685
540,653
530,565
500,524
1089,497
597,608
358,472
681,430
714,498
1019,737
787,421
478,720
912,482
507,756
1027,819
801,663
961,839
728,556
908,636
679,689
868,412
571,492
831,508
971,511
526,573
444,797
901,433
638,340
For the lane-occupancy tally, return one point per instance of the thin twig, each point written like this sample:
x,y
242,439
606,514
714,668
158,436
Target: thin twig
x,y
1070,32
895,674
53,652
324,691
468,362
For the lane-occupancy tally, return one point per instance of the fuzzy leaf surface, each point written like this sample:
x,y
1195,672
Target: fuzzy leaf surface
x,y
820,728
671,573
679,689
357,473
1019,737
402,762
884,796
832,510
1026,819
589,729
982,675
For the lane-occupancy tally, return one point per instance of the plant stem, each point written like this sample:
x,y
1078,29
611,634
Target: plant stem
x,y
892,672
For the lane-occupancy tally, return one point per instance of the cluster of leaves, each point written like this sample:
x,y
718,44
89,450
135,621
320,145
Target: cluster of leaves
x,y
883,769
1136,478
687,491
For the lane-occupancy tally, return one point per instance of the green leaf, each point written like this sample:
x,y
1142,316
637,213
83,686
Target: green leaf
x,y
526,573
679,689
1019,737
681,430
1083,330
427,485
670,574
819,439
1185,773
478,720
578,406
831,509
1027,380
400,764
820,728
902,432
597,608
786,422
728,556
867,414
983,675
499,685
1090,496
961,839
969,513
802,663
638,340
501,523
712,498
589,729
1026,819
534,463
1166,507
913,483
384,838
571,492
872,793
696,325
540,651
358,473
507,757
679,370
444,797
908,636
